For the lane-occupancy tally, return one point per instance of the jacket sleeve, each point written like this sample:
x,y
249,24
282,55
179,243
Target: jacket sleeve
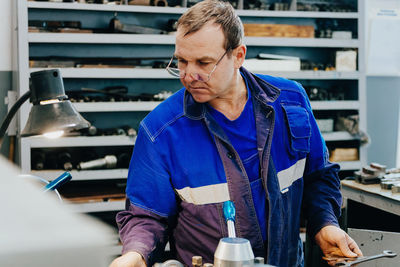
x,y
322,198
143,226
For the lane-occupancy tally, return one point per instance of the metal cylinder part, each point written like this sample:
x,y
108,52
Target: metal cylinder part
x,y
233,252
197,261
108,162
396,188
387,185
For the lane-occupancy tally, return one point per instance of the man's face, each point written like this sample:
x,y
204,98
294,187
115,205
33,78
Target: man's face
x,y
198,52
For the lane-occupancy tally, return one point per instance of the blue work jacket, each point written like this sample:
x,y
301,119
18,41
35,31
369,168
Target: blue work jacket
x,y
184,167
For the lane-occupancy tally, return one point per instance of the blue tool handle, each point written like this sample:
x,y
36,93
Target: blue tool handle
x,y
229,210
62,179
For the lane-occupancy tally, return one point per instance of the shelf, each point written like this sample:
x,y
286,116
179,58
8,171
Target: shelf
x,y
101,38
80,141
338,136
115,106
104,7
350,165
112,73
179,10
335,105
84,175
300,42
314,75
97,206
296,14
149,73
114,38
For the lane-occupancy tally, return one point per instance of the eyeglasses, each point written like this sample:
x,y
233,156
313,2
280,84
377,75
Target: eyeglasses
x,y
201,76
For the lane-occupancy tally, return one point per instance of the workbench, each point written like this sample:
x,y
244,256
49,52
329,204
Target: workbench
x,y
371,217
371,195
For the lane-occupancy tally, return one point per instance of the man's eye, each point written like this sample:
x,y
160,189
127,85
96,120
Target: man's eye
x,y
203,63
181,61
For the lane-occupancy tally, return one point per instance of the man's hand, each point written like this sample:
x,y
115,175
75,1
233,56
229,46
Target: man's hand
x,y
129,259
333,241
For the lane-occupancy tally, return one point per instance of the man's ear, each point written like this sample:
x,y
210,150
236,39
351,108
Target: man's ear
x,y
239,54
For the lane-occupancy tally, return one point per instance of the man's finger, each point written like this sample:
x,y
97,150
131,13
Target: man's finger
x,y
354,247
344,247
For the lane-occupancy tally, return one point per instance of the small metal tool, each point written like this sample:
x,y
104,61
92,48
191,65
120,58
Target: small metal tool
x,y
342,261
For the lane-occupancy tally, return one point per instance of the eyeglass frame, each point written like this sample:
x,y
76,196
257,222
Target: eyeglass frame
x,y
169,69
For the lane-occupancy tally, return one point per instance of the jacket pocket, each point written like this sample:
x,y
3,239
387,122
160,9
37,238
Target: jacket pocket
x,y
299,126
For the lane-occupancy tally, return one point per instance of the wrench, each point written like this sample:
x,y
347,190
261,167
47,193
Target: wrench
x,y
354,261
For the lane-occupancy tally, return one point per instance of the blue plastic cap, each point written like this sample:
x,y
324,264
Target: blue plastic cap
x,y
229,210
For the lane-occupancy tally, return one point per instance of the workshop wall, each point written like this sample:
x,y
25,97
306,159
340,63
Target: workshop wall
x,y
5,59
383,97
383,92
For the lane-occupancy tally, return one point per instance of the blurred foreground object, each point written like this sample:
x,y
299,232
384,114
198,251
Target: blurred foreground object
x,y
37,230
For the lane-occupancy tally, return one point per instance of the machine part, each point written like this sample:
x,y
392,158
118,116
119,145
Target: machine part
x,y
394,170
169,263
341,261
92,130
396,188
162,95
365,178
392,176
129,131
233,252
387,185
117,26
38,160
259,260
197,261
64,161
378,166
108,162
370,170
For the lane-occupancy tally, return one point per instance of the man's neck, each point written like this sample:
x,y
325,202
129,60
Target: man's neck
x,y
233,104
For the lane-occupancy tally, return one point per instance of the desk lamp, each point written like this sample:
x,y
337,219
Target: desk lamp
x,y
52,114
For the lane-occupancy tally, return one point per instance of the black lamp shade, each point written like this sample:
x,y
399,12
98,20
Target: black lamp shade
x,y
51,110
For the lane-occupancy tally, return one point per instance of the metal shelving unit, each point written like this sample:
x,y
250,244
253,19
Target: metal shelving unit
x,y
116,106
104,38
28,40
149,73
85,175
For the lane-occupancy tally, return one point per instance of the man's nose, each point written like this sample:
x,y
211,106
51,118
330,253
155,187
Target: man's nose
x,y
189,71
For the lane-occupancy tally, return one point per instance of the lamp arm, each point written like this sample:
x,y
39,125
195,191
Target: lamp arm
x,y
11,113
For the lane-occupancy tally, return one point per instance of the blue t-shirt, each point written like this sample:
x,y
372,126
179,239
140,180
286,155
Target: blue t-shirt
x,y
243,136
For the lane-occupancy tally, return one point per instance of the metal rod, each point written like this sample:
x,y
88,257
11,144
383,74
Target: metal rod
x,y
231,228
11,113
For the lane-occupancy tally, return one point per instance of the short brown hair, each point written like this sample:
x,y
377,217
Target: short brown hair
x,y
221,13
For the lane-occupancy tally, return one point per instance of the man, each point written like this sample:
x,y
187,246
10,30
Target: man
x,y
228,135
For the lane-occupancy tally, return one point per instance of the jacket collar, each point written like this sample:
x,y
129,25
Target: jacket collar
x,y
261,90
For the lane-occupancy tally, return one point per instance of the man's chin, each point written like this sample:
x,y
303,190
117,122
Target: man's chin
x,y
200,98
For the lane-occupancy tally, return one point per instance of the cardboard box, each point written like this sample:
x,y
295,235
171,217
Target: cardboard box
x,y
279,30
346,60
